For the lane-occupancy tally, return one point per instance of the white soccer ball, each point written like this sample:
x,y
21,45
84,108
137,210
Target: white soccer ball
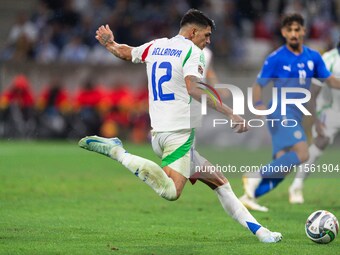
x,y
322,227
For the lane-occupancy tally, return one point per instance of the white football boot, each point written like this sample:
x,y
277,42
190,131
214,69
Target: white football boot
x,y
250,184
105,146
266,236
251,204
296,196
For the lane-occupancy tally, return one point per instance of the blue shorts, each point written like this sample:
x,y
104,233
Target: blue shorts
x,y
285,132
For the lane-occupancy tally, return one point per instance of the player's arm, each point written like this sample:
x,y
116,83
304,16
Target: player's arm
x,y
311,106
257,97
263,78
105,36
323,74
333,82
196,93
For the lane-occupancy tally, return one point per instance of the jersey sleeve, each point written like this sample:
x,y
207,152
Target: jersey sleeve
x,y
193,63
318,82
267,72
328,60
140,53
320,72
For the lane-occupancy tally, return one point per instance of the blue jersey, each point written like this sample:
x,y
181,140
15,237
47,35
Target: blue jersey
x,y
287,69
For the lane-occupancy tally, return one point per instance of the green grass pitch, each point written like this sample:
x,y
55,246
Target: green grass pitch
x,y
56,198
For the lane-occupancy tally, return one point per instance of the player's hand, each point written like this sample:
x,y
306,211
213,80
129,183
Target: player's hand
x,y
239,124
104,35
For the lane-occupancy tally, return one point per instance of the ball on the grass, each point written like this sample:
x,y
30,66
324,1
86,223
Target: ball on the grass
x,y
322,227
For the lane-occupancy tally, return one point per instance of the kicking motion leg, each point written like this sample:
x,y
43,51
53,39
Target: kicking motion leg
x,y
230,203
146,170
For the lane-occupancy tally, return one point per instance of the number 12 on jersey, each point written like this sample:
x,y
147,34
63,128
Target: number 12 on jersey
x,y
157,85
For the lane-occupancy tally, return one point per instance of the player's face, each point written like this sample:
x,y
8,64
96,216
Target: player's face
x,y
293,34
201,37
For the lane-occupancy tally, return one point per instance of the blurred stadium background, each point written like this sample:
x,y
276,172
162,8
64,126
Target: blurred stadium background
x,y
58,82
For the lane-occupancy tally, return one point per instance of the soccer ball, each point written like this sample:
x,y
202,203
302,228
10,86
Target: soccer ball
x,y
322,227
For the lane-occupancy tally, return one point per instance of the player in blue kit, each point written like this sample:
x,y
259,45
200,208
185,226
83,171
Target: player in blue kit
x,y
291,66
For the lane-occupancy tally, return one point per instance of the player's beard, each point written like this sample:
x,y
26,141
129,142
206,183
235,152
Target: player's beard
x,y
294,45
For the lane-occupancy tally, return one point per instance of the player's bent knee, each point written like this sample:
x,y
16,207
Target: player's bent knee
x,y
221,181
303,156
322,142
301,149
214,182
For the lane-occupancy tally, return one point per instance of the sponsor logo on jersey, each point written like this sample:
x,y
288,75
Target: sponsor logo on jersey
x,y
300,65
287,68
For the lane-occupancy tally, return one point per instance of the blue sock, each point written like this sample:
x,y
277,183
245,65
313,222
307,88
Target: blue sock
x,y
270,174
267,185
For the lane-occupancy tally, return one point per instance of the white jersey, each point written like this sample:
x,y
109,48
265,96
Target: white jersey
x,y
330,98
168,62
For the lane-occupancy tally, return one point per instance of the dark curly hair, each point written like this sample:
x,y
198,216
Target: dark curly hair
x,y
197,17
288,19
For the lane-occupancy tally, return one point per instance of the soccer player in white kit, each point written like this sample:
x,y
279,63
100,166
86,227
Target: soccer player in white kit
x,y
328,107
174,68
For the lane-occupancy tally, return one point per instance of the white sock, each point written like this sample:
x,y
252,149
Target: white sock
x,y
237,211
302,173
150,173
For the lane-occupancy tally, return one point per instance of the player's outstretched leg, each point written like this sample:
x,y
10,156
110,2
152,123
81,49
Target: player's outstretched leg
x,y
146,170
239,212
231,205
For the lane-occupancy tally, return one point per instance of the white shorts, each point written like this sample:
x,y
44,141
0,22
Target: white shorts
x,y
331,120
176,149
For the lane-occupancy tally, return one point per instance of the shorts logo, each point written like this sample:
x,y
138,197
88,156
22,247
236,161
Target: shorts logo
x,y
298,134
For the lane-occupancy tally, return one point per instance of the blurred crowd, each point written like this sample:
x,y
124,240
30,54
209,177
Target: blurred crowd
x,y
64,30
54,112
